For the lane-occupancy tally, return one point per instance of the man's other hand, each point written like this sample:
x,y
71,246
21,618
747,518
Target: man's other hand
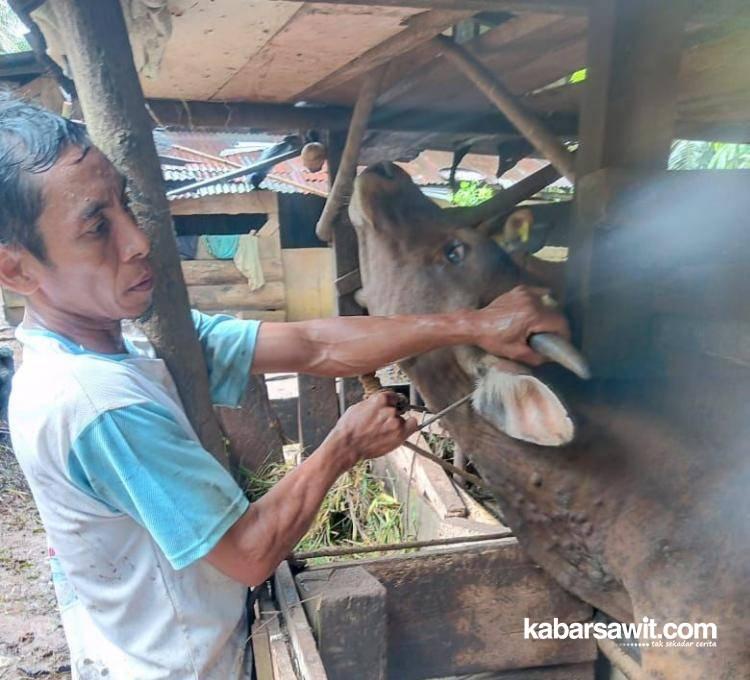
x,y
503,327
370,429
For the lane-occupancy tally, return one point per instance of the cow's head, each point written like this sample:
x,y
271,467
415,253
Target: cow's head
x,y
418,258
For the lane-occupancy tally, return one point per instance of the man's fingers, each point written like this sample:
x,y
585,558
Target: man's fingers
x,y
410,427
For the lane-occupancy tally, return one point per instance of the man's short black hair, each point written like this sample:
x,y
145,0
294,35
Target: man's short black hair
x,y
31,141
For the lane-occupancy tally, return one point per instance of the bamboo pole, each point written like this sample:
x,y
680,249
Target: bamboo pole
x,y
112,101
392,547
342,185
528,125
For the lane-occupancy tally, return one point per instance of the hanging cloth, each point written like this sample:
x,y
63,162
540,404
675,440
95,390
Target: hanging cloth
x,y
247,260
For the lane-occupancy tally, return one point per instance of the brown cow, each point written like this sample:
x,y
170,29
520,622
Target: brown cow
x,y
646,512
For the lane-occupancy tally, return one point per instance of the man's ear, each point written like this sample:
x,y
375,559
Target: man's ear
x,y
14,271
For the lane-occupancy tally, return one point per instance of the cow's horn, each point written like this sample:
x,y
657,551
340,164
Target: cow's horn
x,y
559,350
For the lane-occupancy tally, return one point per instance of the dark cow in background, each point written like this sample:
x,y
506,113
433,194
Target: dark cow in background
x,y
634,494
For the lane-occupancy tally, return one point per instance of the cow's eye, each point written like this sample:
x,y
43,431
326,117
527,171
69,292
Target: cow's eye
x,y
455,251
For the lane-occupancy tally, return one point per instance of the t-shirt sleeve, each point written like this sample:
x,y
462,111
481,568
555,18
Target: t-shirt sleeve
x,y
228,346
139,461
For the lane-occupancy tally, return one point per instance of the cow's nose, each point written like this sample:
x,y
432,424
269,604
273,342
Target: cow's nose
x,y
384,169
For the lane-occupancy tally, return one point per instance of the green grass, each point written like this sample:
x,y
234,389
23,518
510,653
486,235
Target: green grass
x,y
357,511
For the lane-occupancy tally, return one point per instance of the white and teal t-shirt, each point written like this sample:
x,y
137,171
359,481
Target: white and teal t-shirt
x,y
131,502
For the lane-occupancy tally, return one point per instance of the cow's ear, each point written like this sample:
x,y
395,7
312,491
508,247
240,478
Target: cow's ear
x,y
523,407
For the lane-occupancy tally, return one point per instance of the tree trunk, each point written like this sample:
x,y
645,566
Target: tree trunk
x,y
113,106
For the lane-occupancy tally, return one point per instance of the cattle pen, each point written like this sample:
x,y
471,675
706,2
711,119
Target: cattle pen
x,y
644,513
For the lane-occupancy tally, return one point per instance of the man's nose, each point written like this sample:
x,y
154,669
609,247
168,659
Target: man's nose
x,y
134,243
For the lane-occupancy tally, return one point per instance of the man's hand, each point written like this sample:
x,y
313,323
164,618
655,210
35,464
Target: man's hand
x,y
370,429
504,326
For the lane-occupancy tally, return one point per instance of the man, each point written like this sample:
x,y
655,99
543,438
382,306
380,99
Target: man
x,y
152,543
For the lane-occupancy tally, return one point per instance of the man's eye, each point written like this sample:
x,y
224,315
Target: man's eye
x,y
99,229
455,251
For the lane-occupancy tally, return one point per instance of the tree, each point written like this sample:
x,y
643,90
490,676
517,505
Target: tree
x,y
694,155
11,31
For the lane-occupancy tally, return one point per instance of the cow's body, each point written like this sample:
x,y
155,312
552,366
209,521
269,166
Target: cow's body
x,y
647,512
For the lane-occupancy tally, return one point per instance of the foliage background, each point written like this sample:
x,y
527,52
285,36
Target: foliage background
x,y
11,31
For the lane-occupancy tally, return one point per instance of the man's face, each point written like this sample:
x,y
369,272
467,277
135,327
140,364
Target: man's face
x,y
97,267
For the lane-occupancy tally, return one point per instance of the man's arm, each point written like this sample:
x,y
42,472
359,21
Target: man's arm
x,y
348,346
270,528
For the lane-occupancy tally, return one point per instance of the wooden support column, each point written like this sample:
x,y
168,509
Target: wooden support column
x,y
346,254
317,410
113,105
341,185
627,121
347,613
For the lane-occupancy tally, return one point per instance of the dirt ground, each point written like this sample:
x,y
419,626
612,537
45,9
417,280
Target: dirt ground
x,y
32,642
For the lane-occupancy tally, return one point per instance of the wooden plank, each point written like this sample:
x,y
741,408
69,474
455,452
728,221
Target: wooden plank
x,y
308,277
306,652
347,611
270,296
435,485
453,612
281,657
418,30
575,7
315,42
503,45
213,272
261,640
318,410
229,33
227,204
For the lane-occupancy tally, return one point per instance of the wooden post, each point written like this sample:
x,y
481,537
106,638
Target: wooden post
x,y
528,125
627,123
347,613
346,254
347,166
113,105
317,410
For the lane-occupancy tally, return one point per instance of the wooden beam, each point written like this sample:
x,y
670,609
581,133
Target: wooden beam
x,y
487,589
348,614
347,170
317,410
216,272
700,10
112,100
346,255
529,126
286,118
238,296
575,7
414,68
419,30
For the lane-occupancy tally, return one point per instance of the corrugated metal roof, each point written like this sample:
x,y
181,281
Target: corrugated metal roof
x,y
197,148
209,154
